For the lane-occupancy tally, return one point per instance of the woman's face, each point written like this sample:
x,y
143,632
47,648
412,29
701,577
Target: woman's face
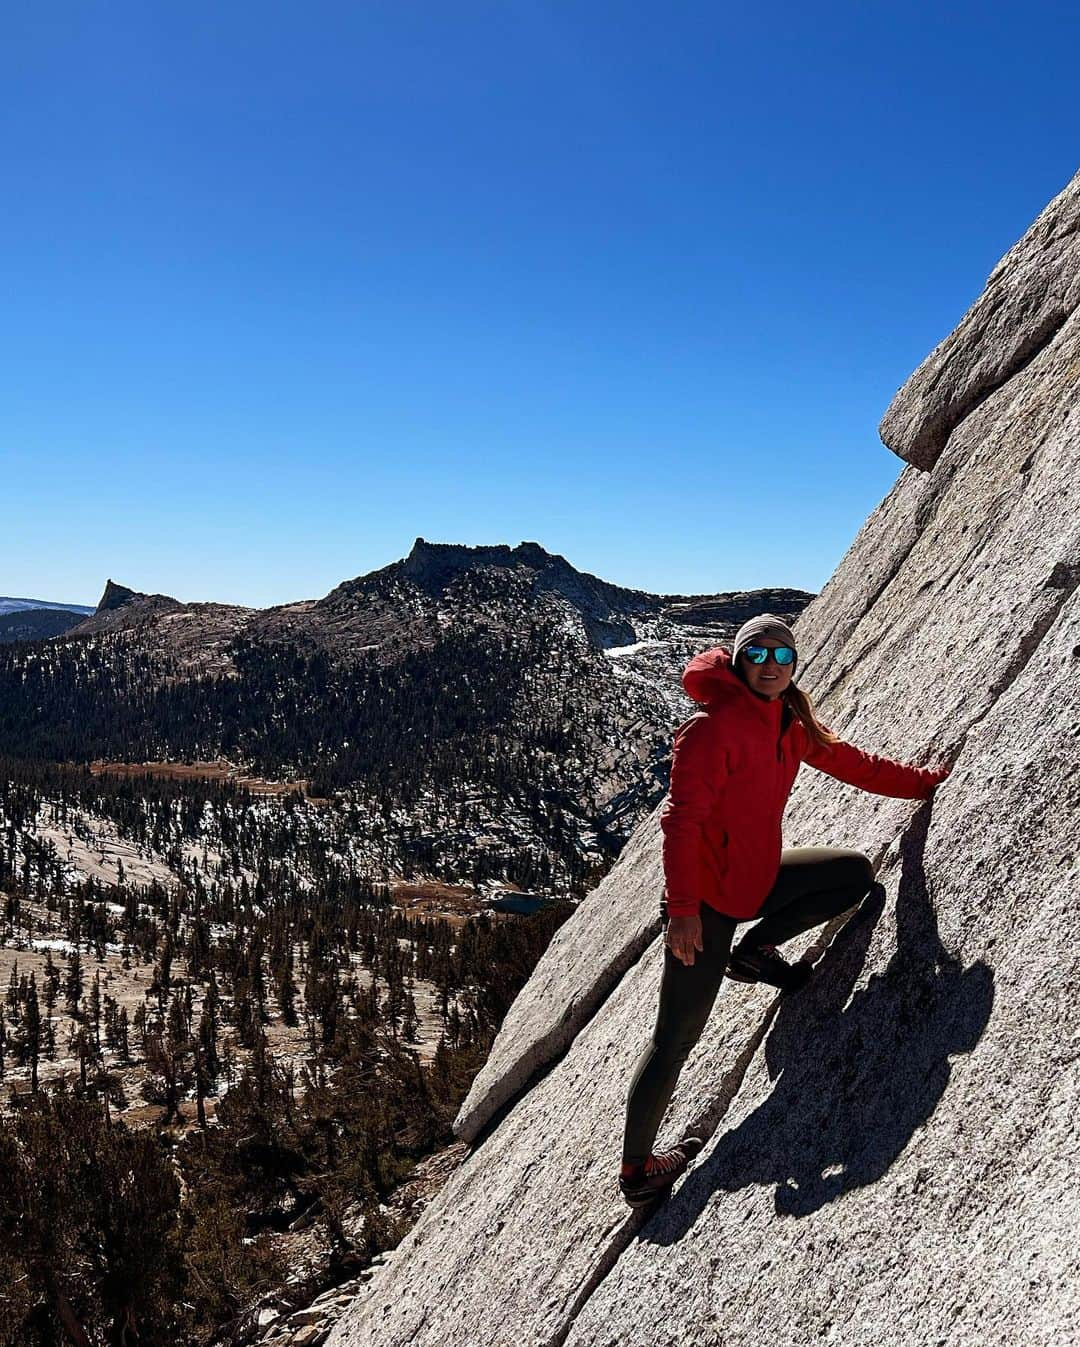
x,y
769,679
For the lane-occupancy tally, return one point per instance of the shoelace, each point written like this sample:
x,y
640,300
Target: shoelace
x,y
662,1163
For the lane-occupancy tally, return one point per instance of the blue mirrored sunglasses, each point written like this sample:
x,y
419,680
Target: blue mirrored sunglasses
x,y
758,654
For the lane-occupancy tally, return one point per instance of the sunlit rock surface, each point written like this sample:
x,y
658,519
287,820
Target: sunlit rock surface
x,y
892,1153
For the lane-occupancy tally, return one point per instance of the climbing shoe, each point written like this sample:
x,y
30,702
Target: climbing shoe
x,y
654,1178
763,963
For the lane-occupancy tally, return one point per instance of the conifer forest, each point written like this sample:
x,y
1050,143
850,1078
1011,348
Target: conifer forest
x,y
267,891
195,1069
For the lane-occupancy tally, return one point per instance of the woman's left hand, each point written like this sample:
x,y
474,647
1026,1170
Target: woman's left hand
x,y
944,765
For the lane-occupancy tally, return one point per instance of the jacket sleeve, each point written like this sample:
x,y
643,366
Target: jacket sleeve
x,y
698,768
869,772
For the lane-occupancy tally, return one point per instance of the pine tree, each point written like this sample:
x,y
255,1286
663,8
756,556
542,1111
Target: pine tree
x,y
94,1009
32,1033
73,986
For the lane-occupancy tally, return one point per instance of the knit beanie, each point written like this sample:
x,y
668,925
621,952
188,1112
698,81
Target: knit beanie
x,y
765,624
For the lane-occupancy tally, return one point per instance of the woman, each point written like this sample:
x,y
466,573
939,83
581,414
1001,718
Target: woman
x,y
732,770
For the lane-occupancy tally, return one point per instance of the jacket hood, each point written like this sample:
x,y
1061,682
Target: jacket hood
x,y
710,678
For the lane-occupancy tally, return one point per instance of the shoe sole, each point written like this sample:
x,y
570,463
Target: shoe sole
x,y
741,977
647,1200
646,1197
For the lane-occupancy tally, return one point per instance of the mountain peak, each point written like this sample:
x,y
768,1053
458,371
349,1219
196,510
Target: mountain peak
x,y
119,596
115,596
435,563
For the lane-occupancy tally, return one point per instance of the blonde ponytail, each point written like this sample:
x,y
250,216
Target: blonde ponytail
x,y
803,709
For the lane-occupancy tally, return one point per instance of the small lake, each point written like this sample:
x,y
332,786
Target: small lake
x,y
522,903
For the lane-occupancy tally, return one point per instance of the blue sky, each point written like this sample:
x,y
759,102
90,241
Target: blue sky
x,y
285,286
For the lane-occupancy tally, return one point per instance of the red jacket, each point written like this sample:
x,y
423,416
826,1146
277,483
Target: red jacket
x,y
733,767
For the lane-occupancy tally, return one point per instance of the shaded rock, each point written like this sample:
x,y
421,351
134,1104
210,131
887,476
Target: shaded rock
x,y
115,596
892,1152
123,609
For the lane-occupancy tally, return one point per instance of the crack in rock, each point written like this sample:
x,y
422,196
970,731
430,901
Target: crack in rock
x,y
576,1016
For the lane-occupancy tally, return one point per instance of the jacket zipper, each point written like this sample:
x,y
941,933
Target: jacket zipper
x,y
780,733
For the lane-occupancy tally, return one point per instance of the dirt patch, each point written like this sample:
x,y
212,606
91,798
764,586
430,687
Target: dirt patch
x,y
455,903
218,770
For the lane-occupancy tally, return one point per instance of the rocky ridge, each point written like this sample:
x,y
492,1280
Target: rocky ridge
x,y
544,698
410,602
891,1154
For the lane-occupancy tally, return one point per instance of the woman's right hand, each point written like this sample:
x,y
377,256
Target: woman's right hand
x,y
683,937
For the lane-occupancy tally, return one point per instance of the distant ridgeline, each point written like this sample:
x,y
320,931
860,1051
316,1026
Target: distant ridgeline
x,y
36,619
489,691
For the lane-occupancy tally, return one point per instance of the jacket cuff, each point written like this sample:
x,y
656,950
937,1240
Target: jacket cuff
x,y
683,907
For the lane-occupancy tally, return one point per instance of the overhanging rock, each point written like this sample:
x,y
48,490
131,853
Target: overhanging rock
x,y
1029,296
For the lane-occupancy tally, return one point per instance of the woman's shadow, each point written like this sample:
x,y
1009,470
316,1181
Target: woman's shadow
x,y
854,1080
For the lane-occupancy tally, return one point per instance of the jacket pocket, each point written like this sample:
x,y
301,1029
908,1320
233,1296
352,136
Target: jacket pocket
x,y
716,852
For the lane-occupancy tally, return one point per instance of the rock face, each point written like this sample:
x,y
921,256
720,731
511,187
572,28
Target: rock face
x,y
891,1153
120,609
1031,294
115,596
408,602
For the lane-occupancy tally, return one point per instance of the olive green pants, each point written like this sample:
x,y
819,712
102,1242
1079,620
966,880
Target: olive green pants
x,y
814,884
